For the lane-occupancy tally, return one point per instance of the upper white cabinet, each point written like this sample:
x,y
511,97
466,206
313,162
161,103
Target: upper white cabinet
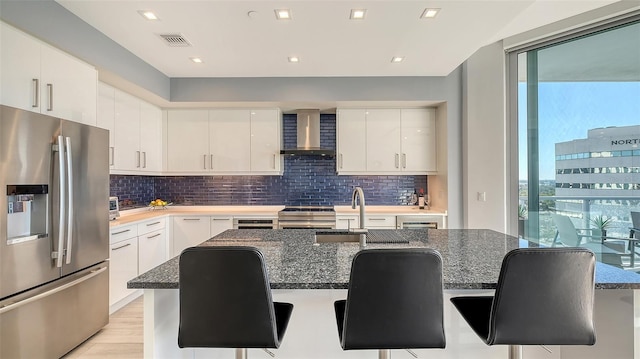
x,y
386,141
351,140
37,77
418,137
234,141
106,115
230,140
265,141
135,131
188,141
383,140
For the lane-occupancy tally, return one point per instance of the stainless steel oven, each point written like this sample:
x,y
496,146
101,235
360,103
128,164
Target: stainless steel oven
x,y
307,217
255,223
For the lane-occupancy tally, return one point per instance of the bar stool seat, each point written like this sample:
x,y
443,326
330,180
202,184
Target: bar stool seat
x,y
394,301
225,301
544,296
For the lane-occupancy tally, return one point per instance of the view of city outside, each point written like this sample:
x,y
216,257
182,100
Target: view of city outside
x,y
587,128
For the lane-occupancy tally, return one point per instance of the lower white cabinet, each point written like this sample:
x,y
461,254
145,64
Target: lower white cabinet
x,y
380,221
152,250
220,224
189,231
347,221
123,266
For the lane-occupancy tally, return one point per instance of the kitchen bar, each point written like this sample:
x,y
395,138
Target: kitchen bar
x,y
311,275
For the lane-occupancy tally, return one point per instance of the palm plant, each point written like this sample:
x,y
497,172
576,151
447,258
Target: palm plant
x,y
522,211
601,223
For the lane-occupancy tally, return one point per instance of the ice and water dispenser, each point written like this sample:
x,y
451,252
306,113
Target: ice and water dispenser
x,y
26,212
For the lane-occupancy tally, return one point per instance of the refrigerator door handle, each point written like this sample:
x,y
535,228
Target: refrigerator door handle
x,y
63,195
16,305
71,213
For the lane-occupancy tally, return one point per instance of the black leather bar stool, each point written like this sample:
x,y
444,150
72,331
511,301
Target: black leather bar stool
x,y
544,297
394,301
225,301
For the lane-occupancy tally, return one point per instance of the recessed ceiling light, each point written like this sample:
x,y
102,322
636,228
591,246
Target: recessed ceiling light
x,y
357,14
429,13
149,15
397,59
294,59
197,60
283,14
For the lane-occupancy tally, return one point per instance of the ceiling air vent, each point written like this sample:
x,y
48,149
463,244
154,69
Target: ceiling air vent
x,y
175,40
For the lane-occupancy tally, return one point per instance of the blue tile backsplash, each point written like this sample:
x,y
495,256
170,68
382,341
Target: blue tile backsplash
x,y
307,180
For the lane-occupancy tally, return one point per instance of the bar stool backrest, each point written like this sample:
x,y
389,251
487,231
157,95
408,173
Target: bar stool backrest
x,y
544,296
395,300
225,299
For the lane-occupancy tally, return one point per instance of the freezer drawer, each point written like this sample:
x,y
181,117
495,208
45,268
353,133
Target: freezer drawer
x,y
49,321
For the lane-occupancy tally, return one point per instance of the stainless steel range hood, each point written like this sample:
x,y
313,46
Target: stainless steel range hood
x,y
308,140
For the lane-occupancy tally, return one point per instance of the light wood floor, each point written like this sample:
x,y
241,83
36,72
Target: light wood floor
x,y
121,338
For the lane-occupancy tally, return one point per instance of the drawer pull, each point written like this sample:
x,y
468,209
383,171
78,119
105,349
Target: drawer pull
x,y
152,224
126,245
154,236
377,219
220,219
125,231
191,219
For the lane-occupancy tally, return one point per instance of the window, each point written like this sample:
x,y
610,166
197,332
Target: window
x,y
578,115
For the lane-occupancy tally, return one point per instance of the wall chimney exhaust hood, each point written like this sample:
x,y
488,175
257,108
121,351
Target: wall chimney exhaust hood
x,y
308,140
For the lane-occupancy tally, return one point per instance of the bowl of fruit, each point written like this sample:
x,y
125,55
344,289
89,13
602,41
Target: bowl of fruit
x,y
158,204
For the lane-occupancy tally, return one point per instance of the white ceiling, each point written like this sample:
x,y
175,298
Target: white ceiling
x,y
233,44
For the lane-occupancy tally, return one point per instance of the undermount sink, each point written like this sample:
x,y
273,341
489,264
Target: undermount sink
x,y
337,237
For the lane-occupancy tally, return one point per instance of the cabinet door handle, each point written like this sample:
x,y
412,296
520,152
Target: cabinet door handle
x,y
152,224
204,162
220,219
397,160
112,155
341,161
144,157
50,90
191,219
274,161
115,233
377,219
211,162
126,245
36,93
154,236
404,160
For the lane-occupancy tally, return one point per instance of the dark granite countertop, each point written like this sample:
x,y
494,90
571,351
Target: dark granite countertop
x,y
471,258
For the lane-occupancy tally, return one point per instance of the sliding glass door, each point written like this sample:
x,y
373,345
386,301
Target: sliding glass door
x,y
578,113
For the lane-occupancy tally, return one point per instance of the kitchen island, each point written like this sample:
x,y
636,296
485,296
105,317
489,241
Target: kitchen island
x,y
312,275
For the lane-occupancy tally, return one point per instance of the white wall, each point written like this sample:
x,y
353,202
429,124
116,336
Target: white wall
x,y
484,138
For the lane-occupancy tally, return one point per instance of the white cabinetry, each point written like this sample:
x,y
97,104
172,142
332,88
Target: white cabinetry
x,y
351,138
37,77
123,261
152,244
187,140
106,115
418,134
386,141
220,224
189,231
347,221
230,140
266,141
380,221
236,141
135,128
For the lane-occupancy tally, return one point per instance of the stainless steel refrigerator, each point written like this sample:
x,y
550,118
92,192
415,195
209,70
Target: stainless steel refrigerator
x,y
54,234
